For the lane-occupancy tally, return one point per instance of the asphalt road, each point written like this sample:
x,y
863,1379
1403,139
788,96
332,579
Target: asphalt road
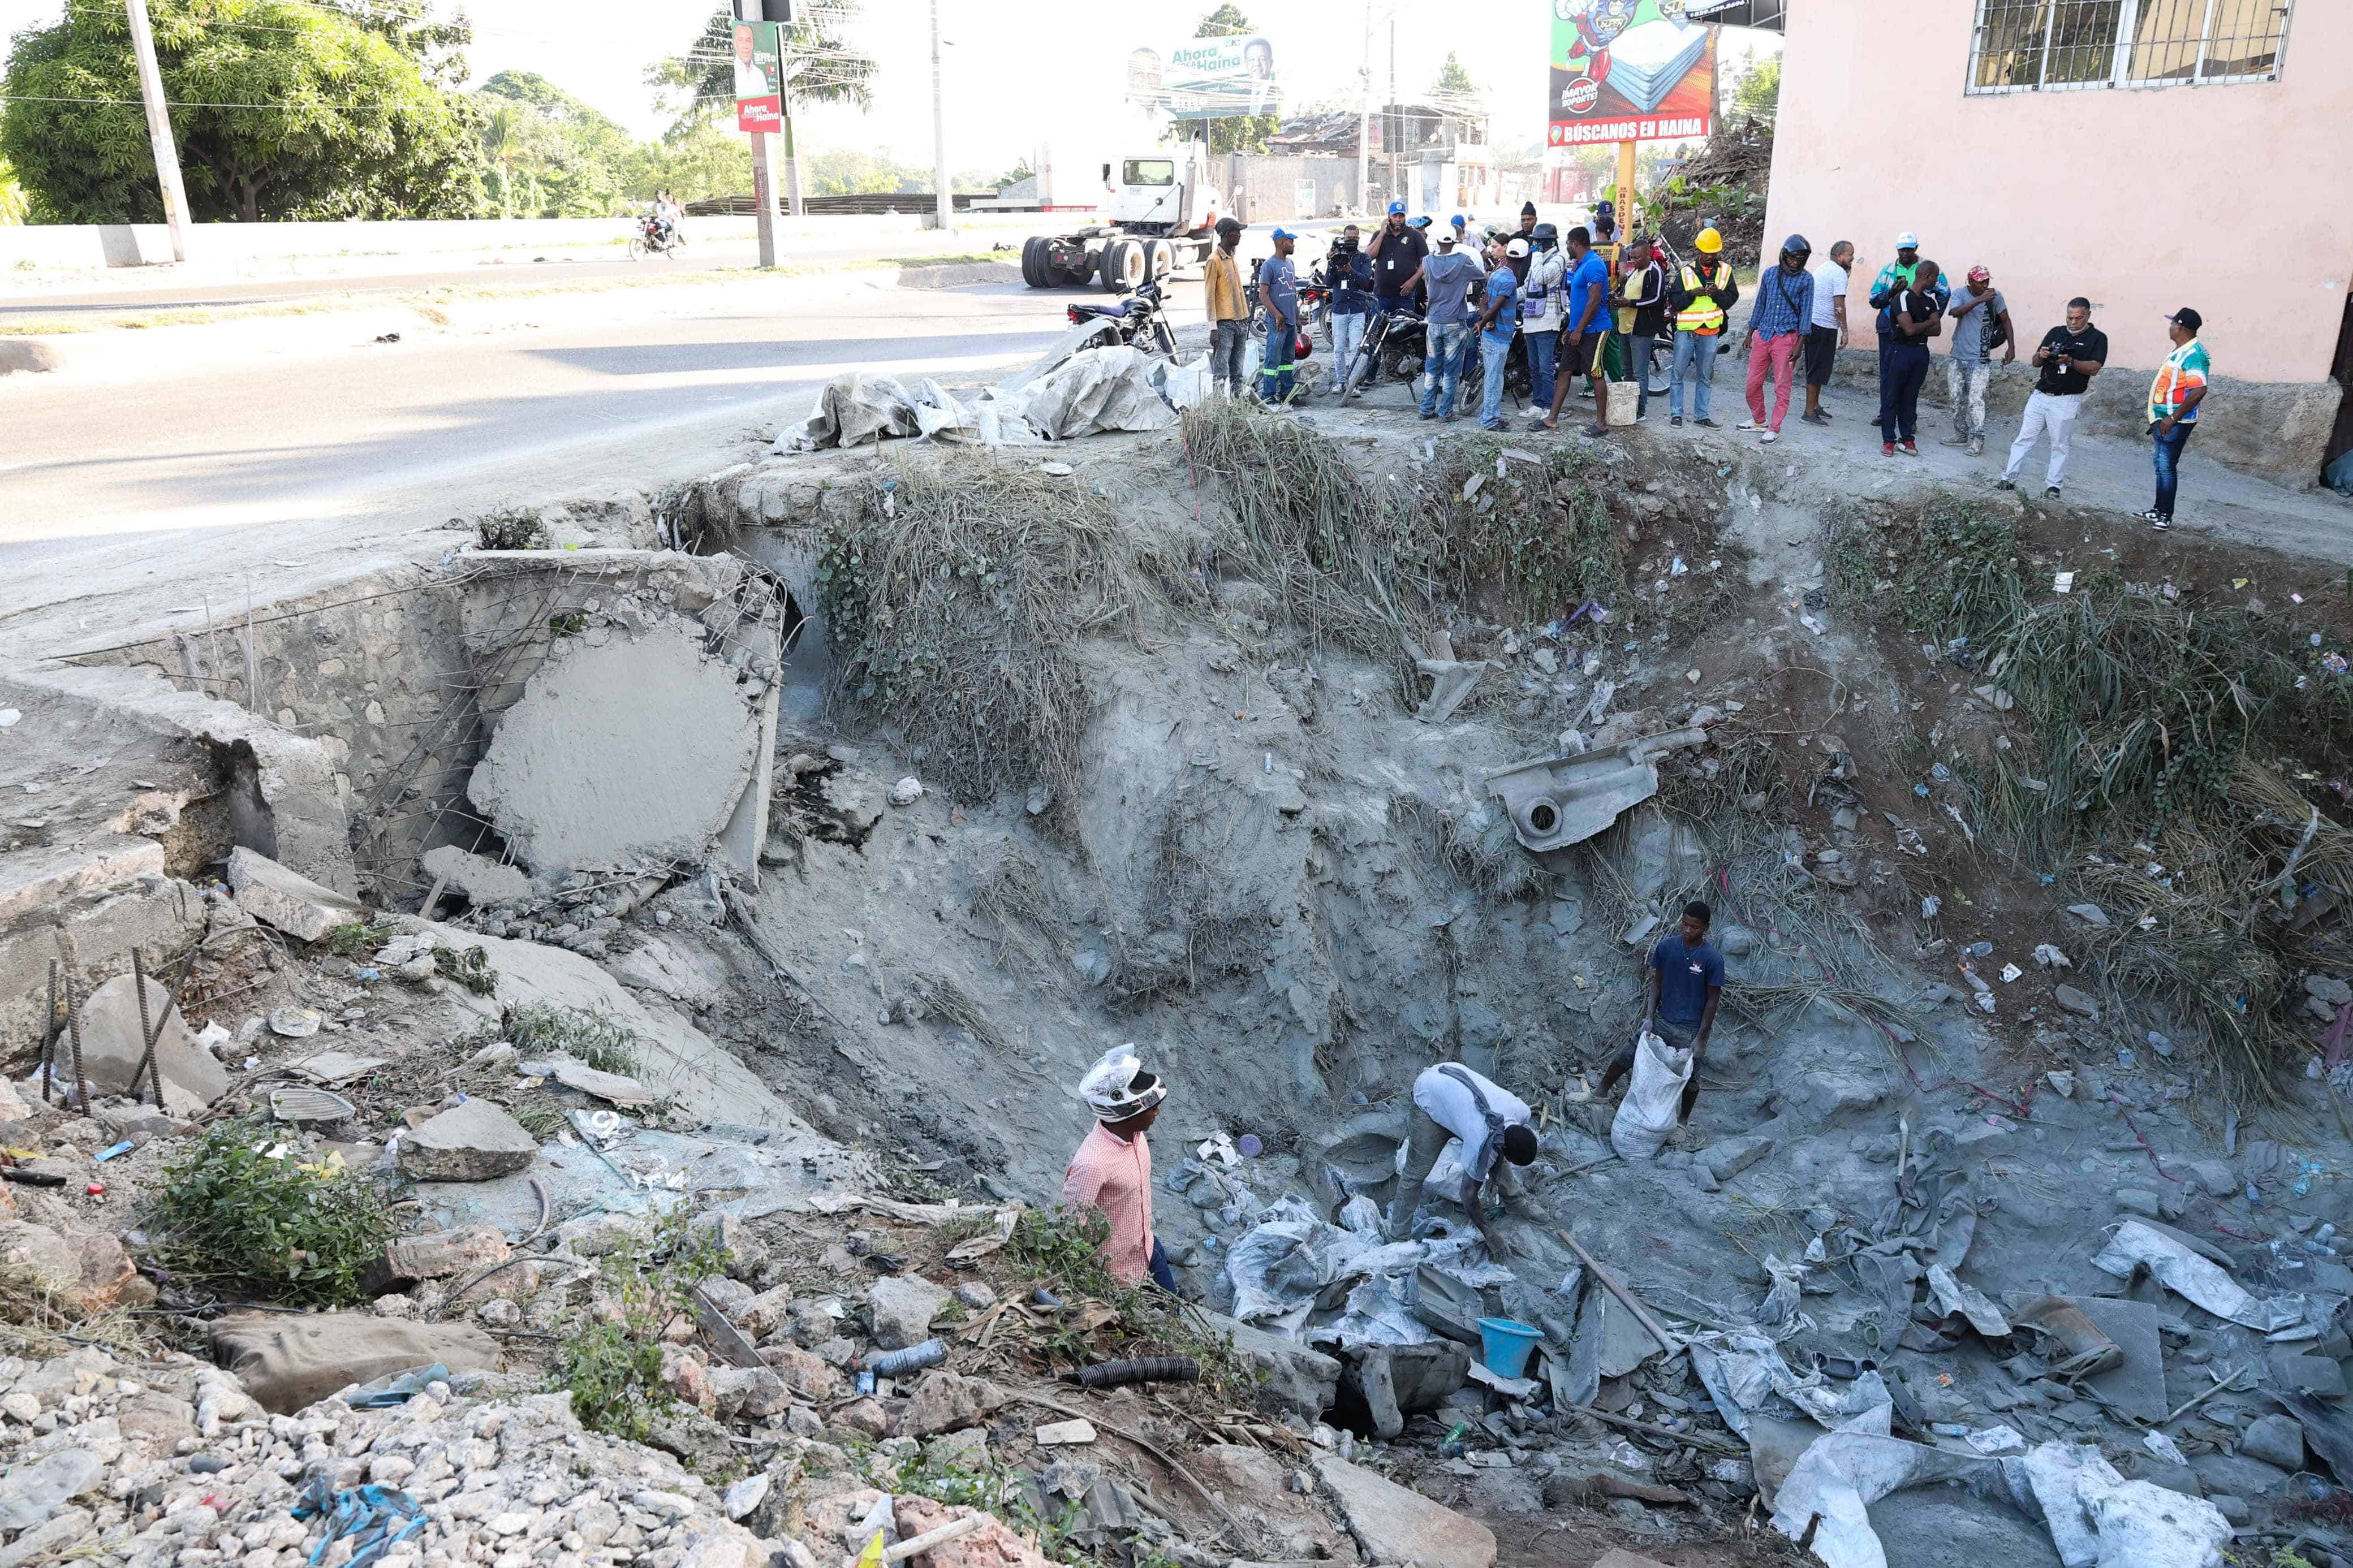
x,y
122,500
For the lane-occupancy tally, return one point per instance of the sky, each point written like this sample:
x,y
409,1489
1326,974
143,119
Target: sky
x,y
1010,77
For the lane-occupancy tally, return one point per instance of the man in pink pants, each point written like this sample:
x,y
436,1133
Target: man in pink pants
x,y
1783,309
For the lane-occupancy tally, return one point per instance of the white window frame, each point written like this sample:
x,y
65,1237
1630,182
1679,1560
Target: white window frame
x,y
2120,76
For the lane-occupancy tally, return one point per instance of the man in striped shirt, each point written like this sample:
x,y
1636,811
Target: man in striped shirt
x,y
2173,400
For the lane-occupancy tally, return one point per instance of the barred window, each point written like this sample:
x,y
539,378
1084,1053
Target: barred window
x,y
2063,46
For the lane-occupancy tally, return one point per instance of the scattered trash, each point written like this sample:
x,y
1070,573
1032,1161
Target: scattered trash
x,y
9,716
2010,973
1648,1113
2165,1448
1140,1369
113,1152
295,1023
1979,950
1929,905
2062,581
914,1358
372,1519
2050,957
1996,1440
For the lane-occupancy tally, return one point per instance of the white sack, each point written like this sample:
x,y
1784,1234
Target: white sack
x,y
1647,1114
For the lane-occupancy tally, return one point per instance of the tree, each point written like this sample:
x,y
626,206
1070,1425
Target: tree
x,y
820,67
570,155
1453,89
1234,132
708,160
1758,97
15,203
282,109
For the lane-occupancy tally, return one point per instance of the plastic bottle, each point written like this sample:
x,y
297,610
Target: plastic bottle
x,y
1452,1448
898,1364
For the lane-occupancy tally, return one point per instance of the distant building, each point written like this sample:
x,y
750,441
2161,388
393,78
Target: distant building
x,y
1436,159
2146,156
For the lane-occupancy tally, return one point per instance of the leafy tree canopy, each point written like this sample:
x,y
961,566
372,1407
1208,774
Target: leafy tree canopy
x,y
820,66
1234,132
1453,86
281,110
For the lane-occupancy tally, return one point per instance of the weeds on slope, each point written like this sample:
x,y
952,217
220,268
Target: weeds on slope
x,y
957,604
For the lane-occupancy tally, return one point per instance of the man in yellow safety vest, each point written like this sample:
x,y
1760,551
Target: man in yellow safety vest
x,y
1704,290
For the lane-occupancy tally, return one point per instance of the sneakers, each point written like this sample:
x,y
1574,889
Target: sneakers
x,y
2011,485
1708,425
2156,519
1977,448
1815,418
1676,420
2051,492
1957,440
1887,449
1748,425
1769,435
1911,449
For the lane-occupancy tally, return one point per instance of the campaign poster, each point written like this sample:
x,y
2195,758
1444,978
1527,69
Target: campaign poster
x,y
1629,70
759,76
1207,78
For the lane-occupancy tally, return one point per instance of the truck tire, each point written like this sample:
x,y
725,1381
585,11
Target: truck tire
x,y
1123,262
1108,264
1037,265
1164,259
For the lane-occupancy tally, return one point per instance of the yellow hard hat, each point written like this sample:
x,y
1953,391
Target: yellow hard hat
x,y
1709,241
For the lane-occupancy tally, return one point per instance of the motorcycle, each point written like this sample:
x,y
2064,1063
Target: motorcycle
x,y
655,237
1139,319
1394,349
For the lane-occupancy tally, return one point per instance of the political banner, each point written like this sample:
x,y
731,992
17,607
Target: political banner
x,y
1207,78
1629,70
759,76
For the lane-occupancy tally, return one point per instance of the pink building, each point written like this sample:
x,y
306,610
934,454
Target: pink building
x,y
2144,153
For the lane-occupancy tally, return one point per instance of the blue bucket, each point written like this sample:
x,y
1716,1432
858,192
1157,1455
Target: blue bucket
x,y
1505,1345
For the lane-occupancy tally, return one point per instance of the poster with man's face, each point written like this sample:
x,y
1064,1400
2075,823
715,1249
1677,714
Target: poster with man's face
x,y
759,76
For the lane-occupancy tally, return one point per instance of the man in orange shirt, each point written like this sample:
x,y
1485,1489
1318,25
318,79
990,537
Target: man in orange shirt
x,y
1112,1169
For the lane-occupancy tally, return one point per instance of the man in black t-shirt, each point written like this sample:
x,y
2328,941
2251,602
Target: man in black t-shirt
x,y
2068,357
1397,250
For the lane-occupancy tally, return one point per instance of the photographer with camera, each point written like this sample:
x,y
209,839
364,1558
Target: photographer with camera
x,y
1349,272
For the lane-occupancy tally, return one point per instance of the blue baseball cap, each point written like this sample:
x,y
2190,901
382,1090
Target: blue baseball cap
x,y
1460,222
1396,207
1283,234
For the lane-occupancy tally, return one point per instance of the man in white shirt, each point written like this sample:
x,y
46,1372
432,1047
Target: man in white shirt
x,y
1828,333
1493,1124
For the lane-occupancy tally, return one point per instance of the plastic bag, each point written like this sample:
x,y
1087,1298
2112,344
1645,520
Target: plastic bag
x,y
1647,1114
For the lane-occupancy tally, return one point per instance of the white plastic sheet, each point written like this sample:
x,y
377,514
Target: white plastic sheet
x,y
1096,390
2099,1520
2184,1272
1295,1274
1742,1371
1844,1472
1647,1114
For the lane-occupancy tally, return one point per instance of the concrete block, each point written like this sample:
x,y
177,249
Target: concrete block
x,y
482,879
161,918
287,899
42,879
111,1046
1402,1526
471,1143
620,752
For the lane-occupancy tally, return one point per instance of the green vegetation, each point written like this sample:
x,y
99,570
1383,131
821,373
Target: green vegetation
x,y
610,1357
1549,544
236,1208
1062,1248
999,1489
1234,132
287,109
511,528
355,938
594,1039
468,967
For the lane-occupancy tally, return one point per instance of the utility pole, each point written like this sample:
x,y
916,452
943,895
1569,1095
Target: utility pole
x,y
764,153
1365,119
1395,116
159,128
940,133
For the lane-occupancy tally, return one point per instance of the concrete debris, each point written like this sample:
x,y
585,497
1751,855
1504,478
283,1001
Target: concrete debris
x,y
287,899
482,879
2275,1440
610,1087
81,1272
904,1306
112,1047
907,791
469,1143
622,751
1064,1433
2075,1001
1401,1527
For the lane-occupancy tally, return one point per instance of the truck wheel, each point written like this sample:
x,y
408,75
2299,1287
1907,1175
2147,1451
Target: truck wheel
x,y
1124,266
1108,264
1037,265
1164,258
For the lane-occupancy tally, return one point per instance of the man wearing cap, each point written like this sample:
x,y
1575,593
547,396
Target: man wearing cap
x,y
1777,322
1278,290
2068,357
1112,1169
2173,402
1704,289
1527,229
1398,251
1979,315
1454,281
1228,309
1497,319
1580,335
1350,274
1540,308
1496,1133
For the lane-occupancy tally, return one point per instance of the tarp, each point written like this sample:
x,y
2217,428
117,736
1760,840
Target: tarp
x,y
1294,1274
1096,390
1845,1472
2183,1271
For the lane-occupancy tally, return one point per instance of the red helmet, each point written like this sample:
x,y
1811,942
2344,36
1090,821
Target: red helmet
x,y
1305,347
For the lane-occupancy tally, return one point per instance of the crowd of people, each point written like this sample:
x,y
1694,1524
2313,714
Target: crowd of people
x,y
1587,306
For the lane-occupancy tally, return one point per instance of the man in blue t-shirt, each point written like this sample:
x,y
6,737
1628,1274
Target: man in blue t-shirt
x,y
1498,319
1277,289
1686,984
1580,335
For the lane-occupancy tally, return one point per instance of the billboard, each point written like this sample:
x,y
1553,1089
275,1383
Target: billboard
x,y
1207,78
759,76
1629,70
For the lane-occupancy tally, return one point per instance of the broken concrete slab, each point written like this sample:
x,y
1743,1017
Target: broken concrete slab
x,y
681,970
1297,1377
2136,1387
287,900
50,878
2075,1001
1401,1527
289,1362
610,1087
621,751
80,1273
482,879
2275,1440
111,1048
471,1143
439,1255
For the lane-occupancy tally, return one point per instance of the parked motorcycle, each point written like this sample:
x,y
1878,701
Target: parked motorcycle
x,y
1139,318
1394,348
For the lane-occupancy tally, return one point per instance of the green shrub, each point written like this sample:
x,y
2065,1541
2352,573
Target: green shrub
x,y
236,1207
610,1361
